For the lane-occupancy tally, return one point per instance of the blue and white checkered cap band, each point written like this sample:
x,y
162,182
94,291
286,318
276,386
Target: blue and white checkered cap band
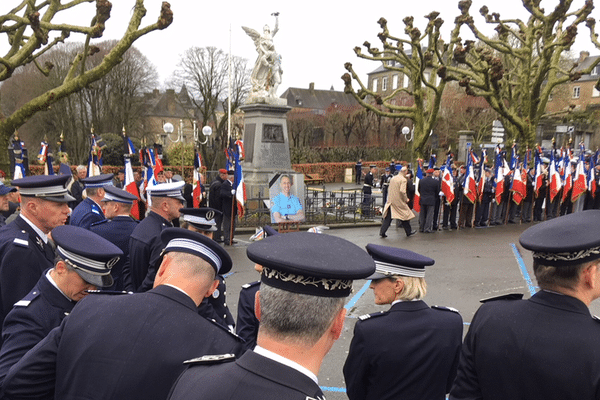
x,y
199,249
395,269
45,191
93,267
199,220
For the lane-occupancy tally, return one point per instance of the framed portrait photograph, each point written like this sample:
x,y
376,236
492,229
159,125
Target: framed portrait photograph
x,y
286,194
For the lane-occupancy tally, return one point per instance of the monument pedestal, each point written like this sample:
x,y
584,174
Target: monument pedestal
x,y
266,146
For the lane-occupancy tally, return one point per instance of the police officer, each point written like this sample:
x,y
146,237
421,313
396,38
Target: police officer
x,y
117,227
358,171
247,323
411,350
132,346
385,183
4,202
300,307
545,347
89,210
229,208
204,221
25,251
84,263
145,245
368,190
214,201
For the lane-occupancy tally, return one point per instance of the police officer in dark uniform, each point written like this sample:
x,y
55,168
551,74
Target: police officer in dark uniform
x,y
145,245
131,346
117,227
410,351
385,183
545,347
300,306
367,190
25,251
89,210
83,263
204,221
358,171
4,202
247,323
214,201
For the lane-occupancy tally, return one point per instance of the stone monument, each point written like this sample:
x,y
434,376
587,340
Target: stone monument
x,y
265,124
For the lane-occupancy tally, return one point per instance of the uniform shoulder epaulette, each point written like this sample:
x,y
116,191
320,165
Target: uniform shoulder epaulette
x,y
215,323
509,296
97,210
446,309
211,360
21,239
369,316
249,285
109,292
25,301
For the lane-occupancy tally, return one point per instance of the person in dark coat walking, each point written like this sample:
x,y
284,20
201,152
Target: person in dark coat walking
x,y
300,307
145,246
544,347
214,201
83,264
429,189
132,346
25,251
117,228
410,351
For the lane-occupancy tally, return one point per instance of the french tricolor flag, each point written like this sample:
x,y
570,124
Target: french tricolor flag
x,y
418,177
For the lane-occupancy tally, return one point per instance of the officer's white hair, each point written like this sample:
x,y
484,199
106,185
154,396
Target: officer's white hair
x,y
294,317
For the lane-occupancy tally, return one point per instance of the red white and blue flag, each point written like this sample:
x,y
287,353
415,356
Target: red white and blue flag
x,y
470,186
418,177
567,178
518,187
448,180
580,181
197,191
591,177
554,177
481,183
500,173
539,177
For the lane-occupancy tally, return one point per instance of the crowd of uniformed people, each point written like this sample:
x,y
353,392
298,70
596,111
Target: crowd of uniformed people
x,y
97,305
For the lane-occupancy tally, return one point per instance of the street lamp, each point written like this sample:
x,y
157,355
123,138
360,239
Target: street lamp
x,y
168,128
406,130
206,131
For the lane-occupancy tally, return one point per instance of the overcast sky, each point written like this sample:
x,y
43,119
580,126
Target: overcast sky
x,y
315,38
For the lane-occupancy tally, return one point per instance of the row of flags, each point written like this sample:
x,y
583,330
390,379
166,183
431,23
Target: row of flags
x,y
559,175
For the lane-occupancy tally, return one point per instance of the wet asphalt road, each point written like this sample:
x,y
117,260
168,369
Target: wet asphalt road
x,y
470,265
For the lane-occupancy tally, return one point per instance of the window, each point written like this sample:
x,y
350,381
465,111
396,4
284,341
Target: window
x,y
384,83
374,87
406,81
550,97
596,70
395,82
576,90
595,92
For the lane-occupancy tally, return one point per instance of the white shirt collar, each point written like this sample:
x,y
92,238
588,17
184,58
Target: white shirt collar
x,y
178,288
282,360
37,230
49,277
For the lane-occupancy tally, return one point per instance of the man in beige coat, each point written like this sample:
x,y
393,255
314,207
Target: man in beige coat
x,y
396,206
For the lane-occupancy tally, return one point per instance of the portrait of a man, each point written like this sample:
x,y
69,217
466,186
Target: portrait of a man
x,y
285,205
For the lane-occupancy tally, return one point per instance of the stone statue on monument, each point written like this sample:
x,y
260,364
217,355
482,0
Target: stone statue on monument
x,y
266,75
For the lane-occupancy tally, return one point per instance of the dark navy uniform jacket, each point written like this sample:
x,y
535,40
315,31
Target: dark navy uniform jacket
x,y
117,231
409,352
215,307
145,247
119,347
86,213
429,188
247,323
545,347
251,377
23,259
32,318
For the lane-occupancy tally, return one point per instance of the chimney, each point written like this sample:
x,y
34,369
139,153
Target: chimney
x,y
583,55
311,87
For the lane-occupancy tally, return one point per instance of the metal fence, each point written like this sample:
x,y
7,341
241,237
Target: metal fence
x,y
321,207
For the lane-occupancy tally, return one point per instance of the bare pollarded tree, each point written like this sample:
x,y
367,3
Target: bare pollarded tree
x,y
517,69
30,33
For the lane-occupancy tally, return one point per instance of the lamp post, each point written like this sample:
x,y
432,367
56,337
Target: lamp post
x,y
406,131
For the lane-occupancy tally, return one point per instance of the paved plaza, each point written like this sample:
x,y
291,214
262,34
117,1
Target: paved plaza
x,y
470,265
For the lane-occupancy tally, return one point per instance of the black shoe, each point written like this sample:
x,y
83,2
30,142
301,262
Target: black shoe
x,y
383,235
411,233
